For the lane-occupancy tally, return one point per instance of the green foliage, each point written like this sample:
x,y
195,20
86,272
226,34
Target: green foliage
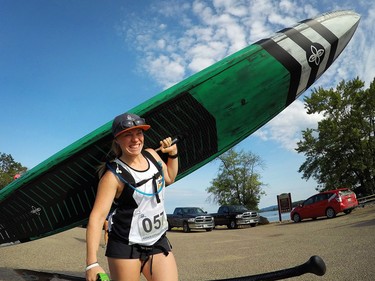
x,y
8,169
341,152
237,182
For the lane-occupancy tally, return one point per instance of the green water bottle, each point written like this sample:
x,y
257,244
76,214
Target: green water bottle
x,y
103,277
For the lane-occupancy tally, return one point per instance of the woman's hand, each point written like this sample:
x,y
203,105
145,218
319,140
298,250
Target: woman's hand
x,y
91,274
167,147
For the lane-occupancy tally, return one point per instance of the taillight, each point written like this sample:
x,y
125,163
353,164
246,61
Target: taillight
x,y
338,199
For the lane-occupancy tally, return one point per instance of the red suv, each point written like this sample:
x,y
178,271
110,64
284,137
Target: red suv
x,y
327,203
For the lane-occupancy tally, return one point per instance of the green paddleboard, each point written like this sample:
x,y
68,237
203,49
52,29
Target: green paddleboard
x,y
210,111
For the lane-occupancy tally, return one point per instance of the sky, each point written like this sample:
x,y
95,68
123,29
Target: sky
x,y
68,67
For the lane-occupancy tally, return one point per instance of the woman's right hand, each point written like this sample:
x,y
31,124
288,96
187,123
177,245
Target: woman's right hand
x,y
91,274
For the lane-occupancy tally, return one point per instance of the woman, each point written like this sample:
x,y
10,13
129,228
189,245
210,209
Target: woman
x,y
135,183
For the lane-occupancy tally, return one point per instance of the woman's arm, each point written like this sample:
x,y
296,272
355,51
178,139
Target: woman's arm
x,y
107,188
170,169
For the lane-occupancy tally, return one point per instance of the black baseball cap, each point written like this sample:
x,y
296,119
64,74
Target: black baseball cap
x,y
126,122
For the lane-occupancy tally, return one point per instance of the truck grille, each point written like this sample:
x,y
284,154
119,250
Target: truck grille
x,y
203,219
249,215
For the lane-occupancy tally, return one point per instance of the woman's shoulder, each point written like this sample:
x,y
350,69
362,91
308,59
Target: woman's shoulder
x,y
153,153
109,177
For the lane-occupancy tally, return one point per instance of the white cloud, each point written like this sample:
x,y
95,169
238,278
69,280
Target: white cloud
x,y
286,127
183,39
165,69
366,46
175,39
232,7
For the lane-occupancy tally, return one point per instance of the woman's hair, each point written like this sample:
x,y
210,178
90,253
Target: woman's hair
x,y
114,153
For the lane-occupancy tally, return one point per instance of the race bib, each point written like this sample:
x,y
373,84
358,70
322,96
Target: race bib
x,y
152,224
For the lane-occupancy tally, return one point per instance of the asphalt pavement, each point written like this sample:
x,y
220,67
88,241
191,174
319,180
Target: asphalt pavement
x,y
345,243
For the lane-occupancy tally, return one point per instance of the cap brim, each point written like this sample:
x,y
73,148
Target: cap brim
x,y
143,127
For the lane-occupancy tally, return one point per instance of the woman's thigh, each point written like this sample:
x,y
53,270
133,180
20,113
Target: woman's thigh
x,y
124,269
164,268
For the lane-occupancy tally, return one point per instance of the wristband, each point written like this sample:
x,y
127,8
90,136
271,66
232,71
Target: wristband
x,y
173,156
95,264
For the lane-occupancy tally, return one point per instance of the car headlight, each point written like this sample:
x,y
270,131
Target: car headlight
x,y
191,220
239,217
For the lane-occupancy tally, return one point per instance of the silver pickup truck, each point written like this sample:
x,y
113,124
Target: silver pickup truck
x,y
190,218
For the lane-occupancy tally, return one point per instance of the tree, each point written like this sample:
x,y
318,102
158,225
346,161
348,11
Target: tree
x,y
237,182
8,169
341,151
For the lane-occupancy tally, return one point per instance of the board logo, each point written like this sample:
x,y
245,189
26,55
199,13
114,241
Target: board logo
x,y
35,211
315,55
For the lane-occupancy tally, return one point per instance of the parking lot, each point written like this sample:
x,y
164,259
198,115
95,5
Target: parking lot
x,y
346,244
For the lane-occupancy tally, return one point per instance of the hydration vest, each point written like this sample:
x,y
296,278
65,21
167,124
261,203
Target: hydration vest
x,y
118,170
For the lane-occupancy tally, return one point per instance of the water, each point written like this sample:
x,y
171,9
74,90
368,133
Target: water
x,y
273,216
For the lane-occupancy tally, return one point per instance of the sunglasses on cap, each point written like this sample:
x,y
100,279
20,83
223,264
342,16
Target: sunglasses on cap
x,y
131,123
127,121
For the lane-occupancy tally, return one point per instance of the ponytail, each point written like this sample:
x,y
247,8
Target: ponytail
x,y
114,153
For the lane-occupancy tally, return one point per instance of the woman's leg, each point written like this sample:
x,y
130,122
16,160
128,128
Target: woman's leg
x,y
124,269
164,268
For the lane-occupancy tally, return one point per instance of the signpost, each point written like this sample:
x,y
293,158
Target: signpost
x,y
284,203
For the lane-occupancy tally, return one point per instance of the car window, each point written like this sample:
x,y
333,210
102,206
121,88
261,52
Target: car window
x,y
195,211
331,196
239,208
345,192
199,211
322,197
309,201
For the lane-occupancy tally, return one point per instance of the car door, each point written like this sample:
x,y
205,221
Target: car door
x,y
307,210
320,205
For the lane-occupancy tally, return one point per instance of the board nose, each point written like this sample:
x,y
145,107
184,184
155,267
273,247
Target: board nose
x,y
342,24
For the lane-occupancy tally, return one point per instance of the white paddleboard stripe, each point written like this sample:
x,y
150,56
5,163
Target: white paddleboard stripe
x,y
288,61
300,43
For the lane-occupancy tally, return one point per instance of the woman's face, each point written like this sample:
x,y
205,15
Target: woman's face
x,y
131,142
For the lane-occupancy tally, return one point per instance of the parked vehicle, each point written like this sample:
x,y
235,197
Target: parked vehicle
x,y
235,215
190,218
327,203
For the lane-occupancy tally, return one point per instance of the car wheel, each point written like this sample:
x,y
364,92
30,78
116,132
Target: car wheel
x,y
296,217
232,224
253,224
347,212
186,227
330,213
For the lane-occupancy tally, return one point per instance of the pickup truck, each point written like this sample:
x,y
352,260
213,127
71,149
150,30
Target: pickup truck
x,y
190,218
235,215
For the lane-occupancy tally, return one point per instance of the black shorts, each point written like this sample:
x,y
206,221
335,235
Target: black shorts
x,y
119,250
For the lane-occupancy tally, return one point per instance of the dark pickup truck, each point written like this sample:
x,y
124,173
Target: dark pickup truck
x,y
235,215
190,218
